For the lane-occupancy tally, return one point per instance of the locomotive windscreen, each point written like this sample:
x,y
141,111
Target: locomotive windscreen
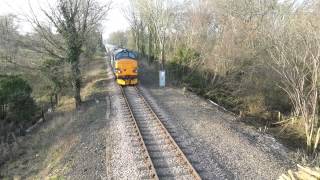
x,y
126,54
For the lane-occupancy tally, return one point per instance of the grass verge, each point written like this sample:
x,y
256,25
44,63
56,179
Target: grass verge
x,y
42,153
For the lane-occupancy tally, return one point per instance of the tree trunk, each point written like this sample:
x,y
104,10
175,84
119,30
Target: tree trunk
x,y
138,41
43,114
51,102
163,60
150,47
56,99
76,83
3,112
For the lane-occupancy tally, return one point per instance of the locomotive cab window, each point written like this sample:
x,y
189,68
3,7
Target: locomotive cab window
x,y
125,54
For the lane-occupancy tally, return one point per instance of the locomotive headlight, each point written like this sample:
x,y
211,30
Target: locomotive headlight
x,y
117,70
135,70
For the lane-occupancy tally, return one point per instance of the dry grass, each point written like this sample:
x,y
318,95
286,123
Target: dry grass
x,y
95,79
93,87
42,150
66,104
303,173
94,73
55,155
291,133
40,153
255,105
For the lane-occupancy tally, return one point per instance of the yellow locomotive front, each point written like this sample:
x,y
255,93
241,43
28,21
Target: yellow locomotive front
x,y
126,68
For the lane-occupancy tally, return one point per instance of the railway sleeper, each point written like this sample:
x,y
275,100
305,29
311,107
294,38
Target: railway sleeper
x,y
146,177
144,118
168,162
151,136
151,132
157,142
167,155
174,172
156,149
150,125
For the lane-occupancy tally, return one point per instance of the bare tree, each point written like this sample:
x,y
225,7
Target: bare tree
x,y
157,16
296,57
118,38
64,34
163,18
226,40
8,39
137,26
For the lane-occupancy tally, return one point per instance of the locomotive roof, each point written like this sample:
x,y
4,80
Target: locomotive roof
x,y
124,53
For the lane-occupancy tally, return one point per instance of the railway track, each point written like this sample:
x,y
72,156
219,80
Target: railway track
x,y
161,154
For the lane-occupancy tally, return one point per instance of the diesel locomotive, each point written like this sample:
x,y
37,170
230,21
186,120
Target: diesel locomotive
x,y
125,67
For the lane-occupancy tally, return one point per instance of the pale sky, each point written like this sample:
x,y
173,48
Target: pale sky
x,y
115,19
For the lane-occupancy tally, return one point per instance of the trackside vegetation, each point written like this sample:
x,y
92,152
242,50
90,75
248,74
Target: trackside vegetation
x,y
42,69
16,102
258,59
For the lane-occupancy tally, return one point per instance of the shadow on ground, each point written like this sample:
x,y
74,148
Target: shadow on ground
x,y
69,144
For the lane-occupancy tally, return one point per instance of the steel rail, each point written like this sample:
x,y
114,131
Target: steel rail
x,y
178,151
152,170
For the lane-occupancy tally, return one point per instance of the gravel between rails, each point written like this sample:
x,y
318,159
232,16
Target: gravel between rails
x,y
163,154
122,159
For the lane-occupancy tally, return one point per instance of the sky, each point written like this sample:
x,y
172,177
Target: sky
x,y
115,21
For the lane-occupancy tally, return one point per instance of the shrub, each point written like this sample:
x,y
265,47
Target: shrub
x,y
185,55
200,82
16,102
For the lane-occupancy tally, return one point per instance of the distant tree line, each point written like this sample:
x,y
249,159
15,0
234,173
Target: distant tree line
x,y
119,38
